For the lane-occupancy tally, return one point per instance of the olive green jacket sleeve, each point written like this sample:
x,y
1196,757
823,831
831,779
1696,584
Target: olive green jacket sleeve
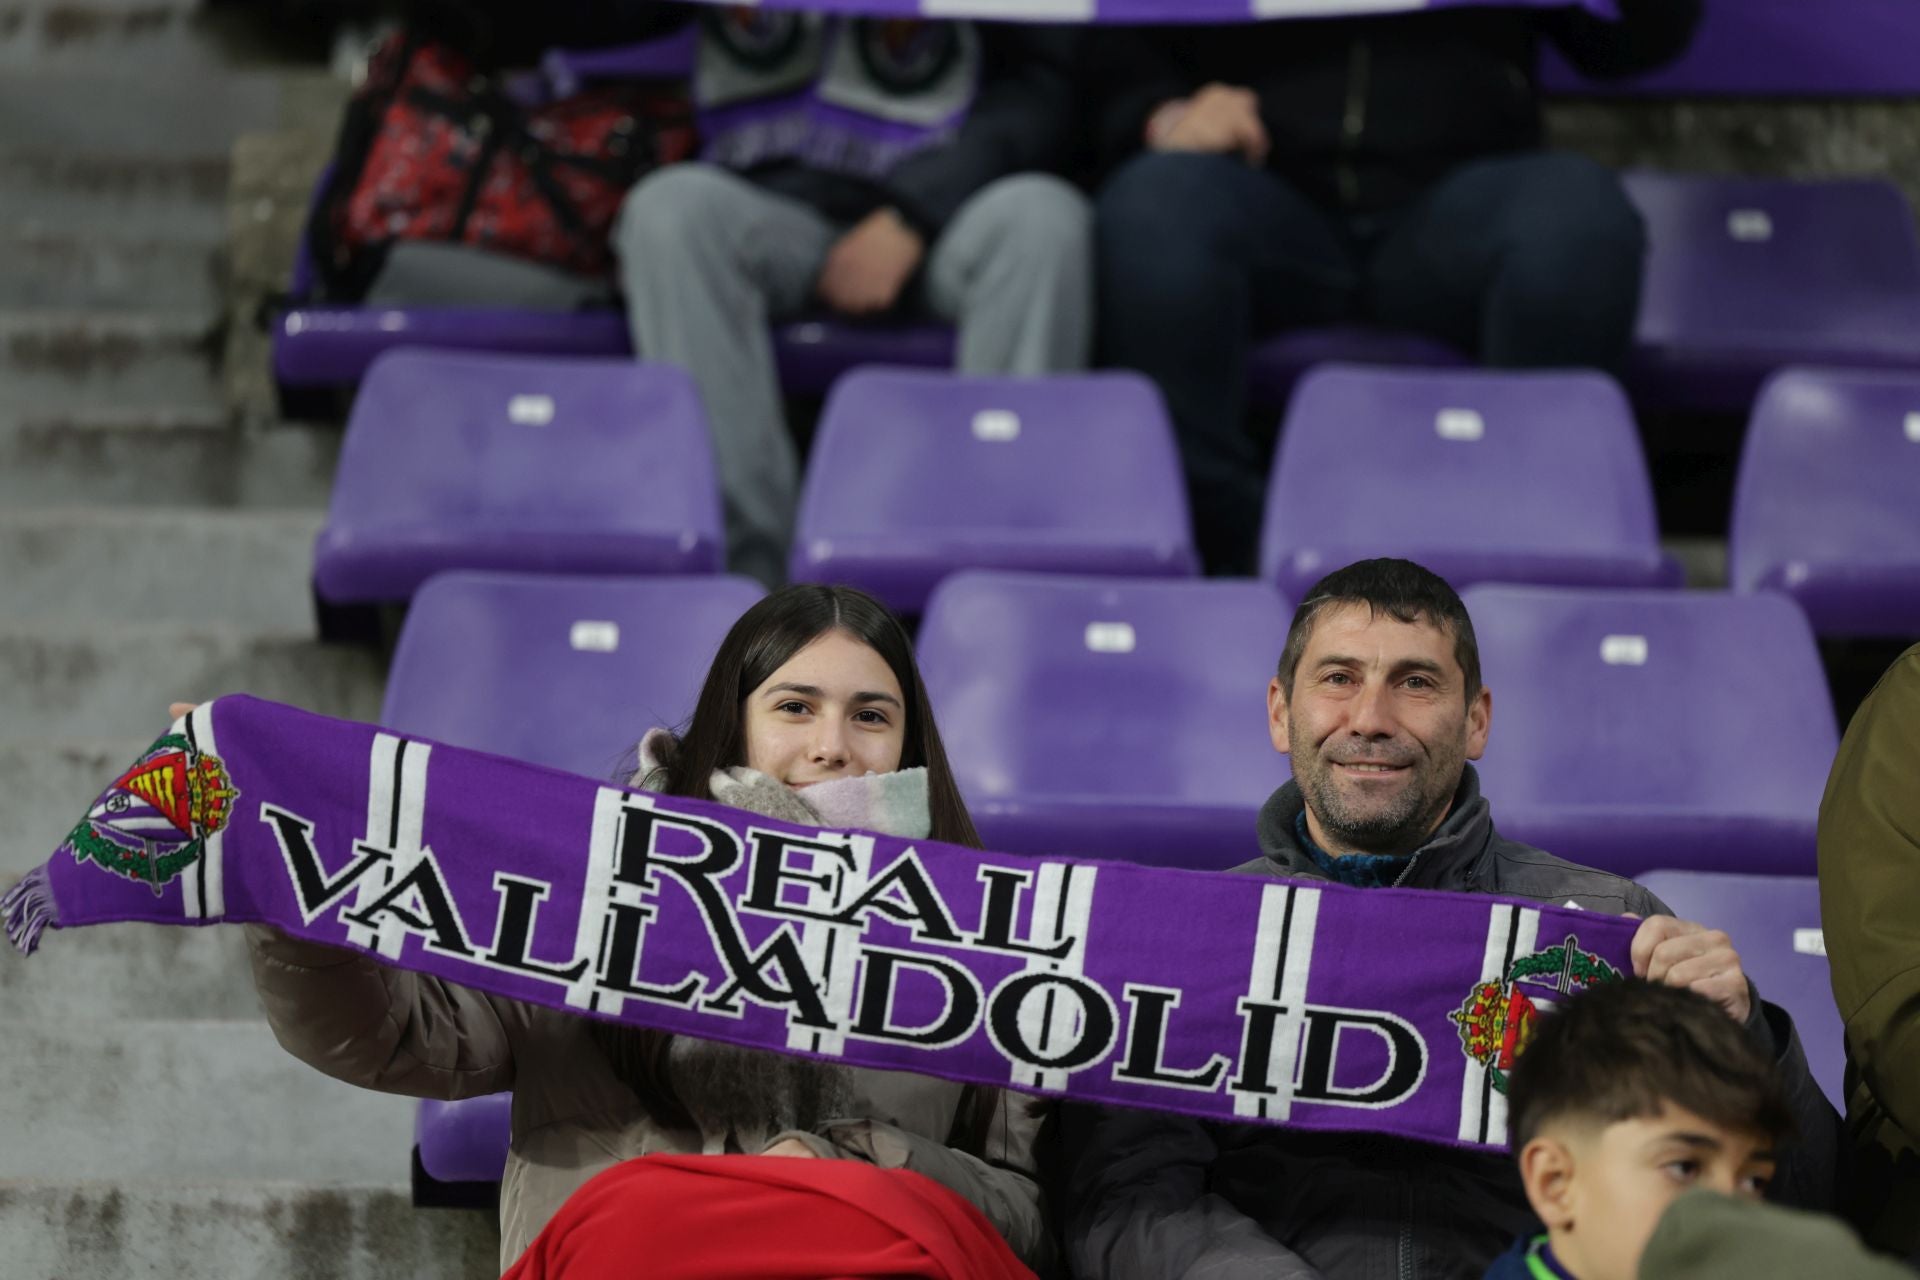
x,y
1708,1236
1870,892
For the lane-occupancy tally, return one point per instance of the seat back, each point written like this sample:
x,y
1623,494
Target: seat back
x,y
1777,264
458,461
1640,729
1827,507
916,473
1119,718
1480,476
561,671
1774,922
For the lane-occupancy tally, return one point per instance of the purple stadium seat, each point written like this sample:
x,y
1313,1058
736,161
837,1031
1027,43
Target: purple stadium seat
x,y
464,1141
1639,729
1745,275
1827,508
462,461
573,671
915,474
1774,922
1480,476
333,345
1108,718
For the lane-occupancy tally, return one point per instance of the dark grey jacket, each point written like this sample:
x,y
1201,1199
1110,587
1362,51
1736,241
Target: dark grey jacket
x,y
1155,1195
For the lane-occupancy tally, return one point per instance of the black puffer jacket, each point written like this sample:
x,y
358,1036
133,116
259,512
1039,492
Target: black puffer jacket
x,y
1364,113
1156,1196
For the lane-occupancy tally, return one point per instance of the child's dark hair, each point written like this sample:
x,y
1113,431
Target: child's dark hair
x,y
1622,1050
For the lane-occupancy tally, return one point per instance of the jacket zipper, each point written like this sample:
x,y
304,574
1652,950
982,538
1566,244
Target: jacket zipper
x,y
1354,123
1406,870
1406,1236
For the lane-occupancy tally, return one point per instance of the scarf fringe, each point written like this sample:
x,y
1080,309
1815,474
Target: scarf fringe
x,y
29,909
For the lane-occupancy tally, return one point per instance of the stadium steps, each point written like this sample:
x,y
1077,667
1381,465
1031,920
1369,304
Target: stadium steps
x,y
242,571
114,683
186,38
54,268
135,457
132,972
191,1099
62,361
113,195
172,1227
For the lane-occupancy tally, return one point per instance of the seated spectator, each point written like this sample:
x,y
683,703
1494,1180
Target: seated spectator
x,y
1628,1095
1384,170
813,712
1870,909
852,164
1379,703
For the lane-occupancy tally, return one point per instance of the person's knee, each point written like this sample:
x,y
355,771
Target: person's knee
x,y
668,206
1576,210
1163,217
1036,217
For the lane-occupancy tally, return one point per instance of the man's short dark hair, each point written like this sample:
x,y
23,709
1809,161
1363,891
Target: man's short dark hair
x,y
1623,1050
1401,589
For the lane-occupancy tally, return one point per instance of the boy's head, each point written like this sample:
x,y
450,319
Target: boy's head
x,y
1629,1094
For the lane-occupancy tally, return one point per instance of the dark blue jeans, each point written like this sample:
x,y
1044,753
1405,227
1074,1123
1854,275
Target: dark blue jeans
x,y
1527,261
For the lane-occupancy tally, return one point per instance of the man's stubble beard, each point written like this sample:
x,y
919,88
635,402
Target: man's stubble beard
x,y
1402,824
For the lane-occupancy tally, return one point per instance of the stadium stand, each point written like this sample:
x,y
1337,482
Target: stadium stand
x,y
1641,729
1827,508
1480,476
462,461
1744,275
917,473
1113,718
156,547
1774,922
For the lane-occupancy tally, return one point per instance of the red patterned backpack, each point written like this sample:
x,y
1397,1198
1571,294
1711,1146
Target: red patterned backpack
x,y
432,150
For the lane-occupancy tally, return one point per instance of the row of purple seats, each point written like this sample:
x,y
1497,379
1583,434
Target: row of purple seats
x,y
603,466
1744,275
1122,718
456,460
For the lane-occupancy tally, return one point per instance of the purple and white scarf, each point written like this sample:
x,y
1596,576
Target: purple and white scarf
x,y
1221,996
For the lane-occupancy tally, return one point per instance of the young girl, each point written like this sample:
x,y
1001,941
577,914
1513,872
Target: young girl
x,y
813,712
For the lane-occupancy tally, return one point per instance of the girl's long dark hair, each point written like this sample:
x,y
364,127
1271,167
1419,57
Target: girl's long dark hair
x,y
769,634
759,644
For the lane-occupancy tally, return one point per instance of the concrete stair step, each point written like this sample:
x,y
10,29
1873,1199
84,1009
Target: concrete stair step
x,y
148,1230
184,37
48,787
51,362
115,681
134,110
137,457
57,270
243,570
127,197
91,1097
130,971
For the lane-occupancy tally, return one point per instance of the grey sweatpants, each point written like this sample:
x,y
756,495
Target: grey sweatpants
x,y
707,259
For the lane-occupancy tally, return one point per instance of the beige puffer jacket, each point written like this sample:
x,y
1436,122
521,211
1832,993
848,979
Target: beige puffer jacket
x,y
408,1033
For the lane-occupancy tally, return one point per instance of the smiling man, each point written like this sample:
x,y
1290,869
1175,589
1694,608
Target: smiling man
x,y
1379,703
